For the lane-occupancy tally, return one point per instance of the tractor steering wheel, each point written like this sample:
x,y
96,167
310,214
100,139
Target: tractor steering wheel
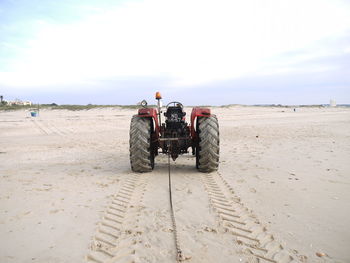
x,y
176,103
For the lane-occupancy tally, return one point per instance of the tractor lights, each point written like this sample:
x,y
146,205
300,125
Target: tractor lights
x,y
144,103
158,96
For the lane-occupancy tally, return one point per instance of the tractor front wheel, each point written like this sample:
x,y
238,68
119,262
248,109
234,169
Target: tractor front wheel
x,y
207,152
141,154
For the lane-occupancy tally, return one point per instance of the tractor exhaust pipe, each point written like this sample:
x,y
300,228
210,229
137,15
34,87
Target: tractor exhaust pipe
x,y
159,104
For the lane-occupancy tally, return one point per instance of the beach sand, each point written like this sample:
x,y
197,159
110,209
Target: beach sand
x,y
282,190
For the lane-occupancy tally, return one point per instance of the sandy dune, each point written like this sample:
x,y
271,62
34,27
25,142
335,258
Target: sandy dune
x,y
282,192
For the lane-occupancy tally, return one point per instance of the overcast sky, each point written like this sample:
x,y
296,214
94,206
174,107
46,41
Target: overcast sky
x,y
199,52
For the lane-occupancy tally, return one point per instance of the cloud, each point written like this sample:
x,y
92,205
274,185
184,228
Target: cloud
x,y
183,43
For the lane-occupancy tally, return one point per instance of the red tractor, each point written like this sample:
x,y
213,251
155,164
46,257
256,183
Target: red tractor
x,y
148,134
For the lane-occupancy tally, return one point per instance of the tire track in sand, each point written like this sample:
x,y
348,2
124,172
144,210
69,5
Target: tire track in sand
x,y
136,226
67,133
256,242
199,237
47,128
51,126
117,233
40,128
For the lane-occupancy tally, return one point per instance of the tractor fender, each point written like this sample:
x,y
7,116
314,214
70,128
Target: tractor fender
x,y
198,112
150,113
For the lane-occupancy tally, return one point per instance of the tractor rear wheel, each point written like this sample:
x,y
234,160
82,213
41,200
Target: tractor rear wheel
x,y
207,152
141,154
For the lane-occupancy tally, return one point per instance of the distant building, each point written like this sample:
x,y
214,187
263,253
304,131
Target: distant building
x,y
19,102
332,103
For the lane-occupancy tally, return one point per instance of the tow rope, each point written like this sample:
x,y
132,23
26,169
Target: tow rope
x,y
179,256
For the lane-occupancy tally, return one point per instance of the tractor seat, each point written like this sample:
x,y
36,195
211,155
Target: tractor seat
x,y
174,113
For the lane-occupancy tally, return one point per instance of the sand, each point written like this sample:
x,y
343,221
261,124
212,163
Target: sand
x,y
67,193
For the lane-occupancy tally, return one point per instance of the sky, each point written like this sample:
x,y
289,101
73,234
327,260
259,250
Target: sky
x,y
195,51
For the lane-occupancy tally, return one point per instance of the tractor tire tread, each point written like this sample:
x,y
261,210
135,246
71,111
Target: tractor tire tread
x,y
140,145
209,144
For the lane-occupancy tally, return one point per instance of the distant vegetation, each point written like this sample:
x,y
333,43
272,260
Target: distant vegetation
x,y
5,107
54,106
87,107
